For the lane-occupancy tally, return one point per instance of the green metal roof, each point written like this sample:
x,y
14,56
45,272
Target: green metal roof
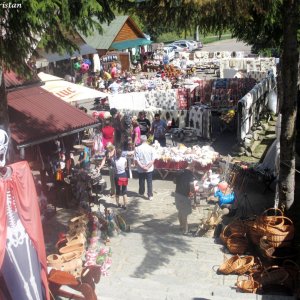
x,y
104,40
129,44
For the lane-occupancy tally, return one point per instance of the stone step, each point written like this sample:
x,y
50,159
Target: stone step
x,y
270,136
271,128
272,123
255,145
138,288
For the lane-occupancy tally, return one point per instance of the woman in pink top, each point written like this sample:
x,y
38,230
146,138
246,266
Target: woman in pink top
x,y
136,132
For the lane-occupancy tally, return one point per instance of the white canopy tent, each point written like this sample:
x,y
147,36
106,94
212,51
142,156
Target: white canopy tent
x,y
130,101
69,92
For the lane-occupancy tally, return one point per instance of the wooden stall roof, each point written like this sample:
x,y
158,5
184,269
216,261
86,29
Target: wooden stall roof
x,y
122,28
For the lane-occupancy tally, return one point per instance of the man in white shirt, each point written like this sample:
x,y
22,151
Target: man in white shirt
x,y
144,158
114,87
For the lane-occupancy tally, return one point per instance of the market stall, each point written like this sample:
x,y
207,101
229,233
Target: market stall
x,y
173,159
71,93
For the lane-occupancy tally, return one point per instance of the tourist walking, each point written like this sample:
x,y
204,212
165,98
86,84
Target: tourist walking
x,y
109,159
158,129
121,178
144,158
184,195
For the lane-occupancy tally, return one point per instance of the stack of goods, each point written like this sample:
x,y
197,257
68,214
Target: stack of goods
x,y
234,237
177,117
162,99
257,75
227,116
222,93
263,64
200,119
172,72
71,248
97,254
272,232
203,91
255,277
179,157
182,98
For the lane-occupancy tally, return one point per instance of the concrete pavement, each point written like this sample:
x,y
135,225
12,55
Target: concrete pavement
x,y
227,45
154,261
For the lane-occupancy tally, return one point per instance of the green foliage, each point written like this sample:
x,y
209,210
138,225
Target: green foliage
x,y
50,23
256,22
172,36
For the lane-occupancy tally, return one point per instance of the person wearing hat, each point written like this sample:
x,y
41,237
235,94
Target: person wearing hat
x,y
184,196
144,159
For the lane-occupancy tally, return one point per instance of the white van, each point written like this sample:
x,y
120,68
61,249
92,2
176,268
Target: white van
x,y
170,52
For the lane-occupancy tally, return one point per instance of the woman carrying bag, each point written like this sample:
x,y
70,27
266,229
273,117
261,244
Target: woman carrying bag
x,y
121,178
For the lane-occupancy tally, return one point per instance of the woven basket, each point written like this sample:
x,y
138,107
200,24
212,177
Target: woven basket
x,y
230,265
266,249
270,215
277,241
282,253
274,275
247,263
280,235
293,269
236,226
255,230
237,243
247,284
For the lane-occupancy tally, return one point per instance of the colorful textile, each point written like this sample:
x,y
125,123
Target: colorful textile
x,y
22,185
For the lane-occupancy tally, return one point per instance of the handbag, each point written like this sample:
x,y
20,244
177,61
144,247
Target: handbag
x,y
123,181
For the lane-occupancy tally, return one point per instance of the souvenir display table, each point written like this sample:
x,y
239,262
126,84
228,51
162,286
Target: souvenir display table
x,y
173,159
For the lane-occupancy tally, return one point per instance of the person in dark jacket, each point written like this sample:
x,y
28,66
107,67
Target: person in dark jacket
x,y
184,193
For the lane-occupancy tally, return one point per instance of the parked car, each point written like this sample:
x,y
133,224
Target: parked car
x,y
187,44
179,47
170,52
197,45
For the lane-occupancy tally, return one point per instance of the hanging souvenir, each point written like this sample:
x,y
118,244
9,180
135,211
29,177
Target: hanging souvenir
x,y
87,61
84,68
77,66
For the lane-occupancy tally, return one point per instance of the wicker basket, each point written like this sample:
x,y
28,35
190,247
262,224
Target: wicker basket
x,y
237,243
293,269
247,263
270,213
280,235
266,249
271,216
247,284
230,265
237,226
255,230
274,275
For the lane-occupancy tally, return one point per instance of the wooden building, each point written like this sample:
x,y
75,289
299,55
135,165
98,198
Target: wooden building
x,y
121,34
